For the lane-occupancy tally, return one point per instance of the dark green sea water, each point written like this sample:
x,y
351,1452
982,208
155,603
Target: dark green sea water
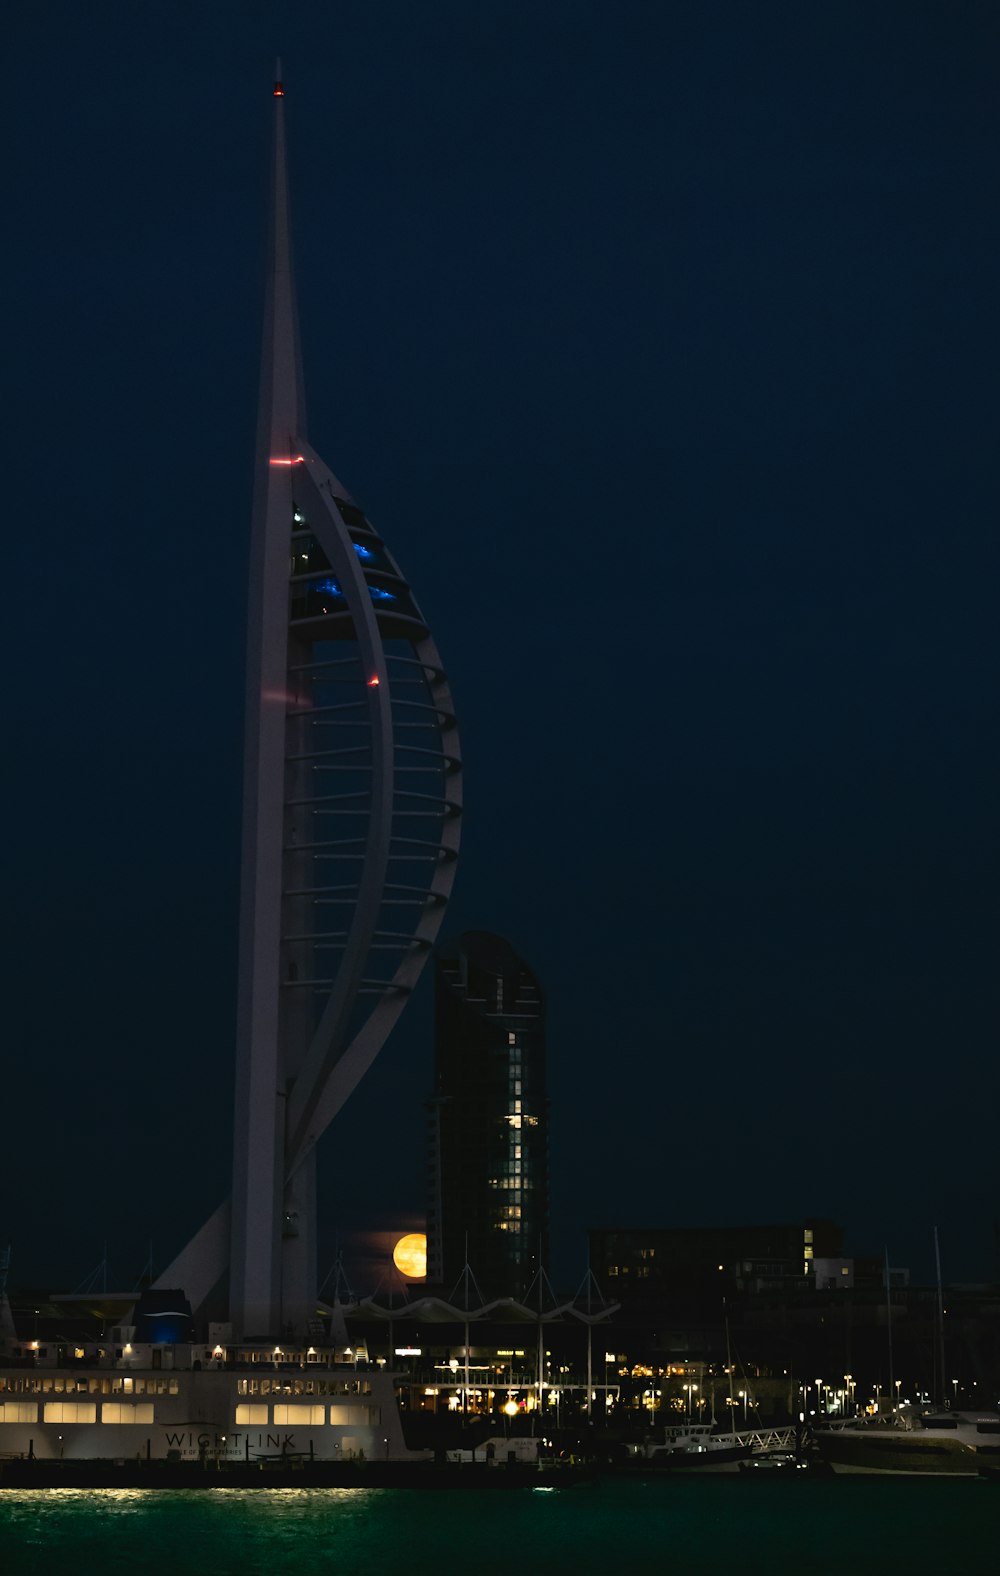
x,y
700,1525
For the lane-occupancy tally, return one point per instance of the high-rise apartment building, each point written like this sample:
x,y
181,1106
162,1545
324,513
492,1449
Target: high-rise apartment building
x,y
488,1128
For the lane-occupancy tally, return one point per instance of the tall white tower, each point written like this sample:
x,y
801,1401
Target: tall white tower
x,y
351,813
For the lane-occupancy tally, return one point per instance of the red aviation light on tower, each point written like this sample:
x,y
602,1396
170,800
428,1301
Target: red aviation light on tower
x,y
373,681
279,90
297,459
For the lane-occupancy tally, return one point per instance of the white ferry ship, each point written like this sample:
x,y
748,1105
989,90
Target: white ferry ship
x,y
125,1400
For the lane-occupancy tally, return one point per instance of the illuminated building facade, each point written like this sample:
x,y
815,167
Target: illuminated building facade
x,y
352,798
702,1264
488,1127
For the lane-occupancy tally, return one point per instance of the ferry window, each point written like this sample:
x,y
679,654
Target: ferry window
x,y
251,1414
18,1411
299,1416
70,1412
345,1416
127,1412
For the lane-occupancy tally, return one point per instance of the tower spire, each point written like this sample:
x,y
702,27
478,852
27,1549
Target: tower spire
x,y
282,409
255,1276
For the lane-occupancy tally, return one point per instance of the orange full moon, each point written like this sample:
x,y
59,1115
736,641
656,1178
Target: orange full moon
x,y
410,1255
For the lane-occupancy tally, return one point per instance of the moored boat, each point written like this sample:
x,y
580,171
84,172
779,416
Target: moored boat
x,y
944,1444
693,1447
177,1402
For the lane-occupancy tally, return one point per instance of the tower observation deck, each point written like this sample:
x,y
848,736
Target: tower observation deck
x,y
351,816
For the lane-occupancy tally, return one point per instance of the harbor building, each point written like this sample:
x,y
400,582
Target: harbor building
x,y
488,1119
698,1265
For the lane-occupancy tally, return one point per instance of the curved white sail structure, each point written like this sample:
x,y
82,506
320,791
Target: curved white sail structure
x,y
352,801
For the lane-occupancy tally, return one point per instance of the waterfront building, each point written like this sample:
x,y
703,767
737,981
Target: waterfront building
x,y
704,1263
488,1119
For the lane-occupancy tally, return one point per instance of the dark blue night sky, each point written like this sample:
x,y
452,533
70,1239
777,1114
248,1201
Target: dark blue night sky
x,y
661,343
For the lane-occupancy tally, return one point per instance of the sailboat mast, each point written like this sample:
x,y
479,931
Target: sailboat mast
x,y
729,1371
888,1320
941,1396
